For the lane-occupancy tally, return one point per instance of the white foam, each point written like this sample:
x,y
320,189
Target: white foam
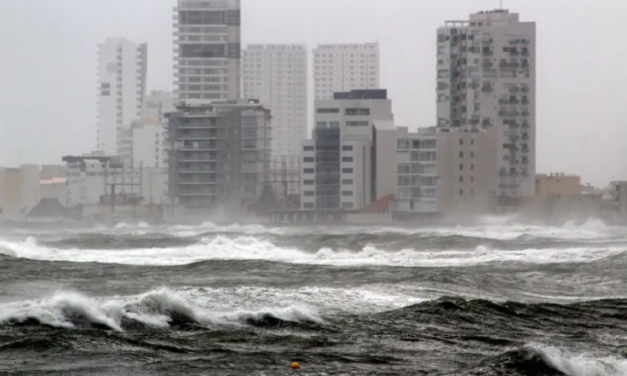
x,y
153,308
581,364
252,248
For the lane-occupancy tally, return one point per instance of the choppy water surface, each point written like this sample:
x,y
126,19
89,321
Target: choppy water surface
x,y
136,299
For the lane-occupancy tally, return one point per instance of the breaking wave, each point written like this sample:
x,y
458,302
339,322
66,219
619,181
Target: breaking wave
x,y
160,308
252,248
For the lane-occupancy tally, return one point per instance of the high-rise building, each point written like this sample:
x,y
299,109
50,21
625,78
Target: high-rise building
x,y
121,86
350,161
207,49
344,67
218,155
277,76
156,105
486,78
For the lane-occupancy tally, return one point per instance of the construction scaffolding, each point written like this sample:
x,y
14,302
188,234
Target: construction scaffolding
x,y
284,179
123,183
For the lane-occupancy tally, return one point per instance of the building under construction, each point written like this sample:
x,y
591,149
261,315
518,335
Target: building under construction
x,y
284,178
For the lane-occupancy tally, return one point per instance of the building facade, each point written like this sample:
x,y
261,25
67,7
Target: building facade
x,y
558,184
277,76
416,173
156,105
218,155
207,49
122,67
95,180
344,67
350,160
19,191
142,145
467,170
486,78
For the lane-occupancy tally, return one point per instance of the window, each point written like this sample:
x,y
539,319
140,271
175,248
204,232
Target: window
x,y
347,159
472,166
472,154
308,205
203,50
105,93
347,170
334,124
321,124
308,182
472,179
347,147
461,179
357,123
347,205
328,110
347,181
461,154
461,141
309,171
461,192
357,111
308,159
308,148
347,193
461,167
308,193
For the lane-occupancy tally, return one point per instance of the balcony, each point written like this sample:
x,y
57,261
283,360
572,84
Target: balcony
x,y
200,146
197,182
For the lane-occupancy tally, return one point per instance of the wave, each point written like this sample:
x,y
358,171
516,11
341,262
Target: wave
x,y
252,248
161,308
542,360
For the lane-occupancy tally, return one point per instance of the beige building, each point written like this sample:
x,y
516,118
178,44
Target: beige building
x,y
486,79
557,184
468,172
19,191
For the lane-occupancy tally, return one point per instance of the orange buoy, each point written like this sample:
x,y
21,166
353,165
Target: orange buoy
x,y
295,365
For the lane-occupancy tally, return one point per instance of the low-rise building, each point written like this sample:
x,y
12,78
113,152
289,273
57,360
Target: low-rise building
x,y
19,191
558,184
218,157
350,160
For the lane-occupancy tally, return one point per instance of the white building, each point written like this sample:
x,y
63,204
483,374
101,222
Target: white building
x,y
344,67
416,172
156,105
207,49
142,145
277,76
351,160
92,177
487,78
121,87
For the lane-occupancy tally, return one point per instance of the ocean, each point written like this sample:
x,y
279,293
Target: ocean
x,y
140,299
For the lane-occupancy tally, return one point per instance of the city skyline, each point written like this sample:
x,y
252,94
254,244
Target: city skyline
x,y
565,119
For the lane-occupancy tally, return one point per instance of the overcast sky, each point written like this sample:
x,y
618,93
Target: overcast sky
x,y
48,66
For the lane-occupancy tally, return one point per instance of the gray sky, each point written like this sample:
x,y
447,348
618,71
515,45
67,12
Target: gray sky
x,y
48,66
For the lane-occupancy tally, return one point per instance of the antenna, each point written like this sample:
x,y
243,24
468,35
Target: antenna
x,y
500,4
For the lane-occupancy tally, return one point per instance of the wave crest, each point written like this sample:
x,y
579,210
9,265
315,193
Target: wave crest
x,y
161,308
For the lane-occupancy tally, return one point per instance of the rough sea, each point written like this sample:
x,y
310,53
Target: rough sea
x,y
140,299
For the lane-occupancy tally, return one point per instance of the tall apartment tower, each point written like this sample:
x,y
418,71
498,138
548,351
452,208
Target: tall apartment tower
x,y
207,49
121,87
277,76
344,67
486,78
